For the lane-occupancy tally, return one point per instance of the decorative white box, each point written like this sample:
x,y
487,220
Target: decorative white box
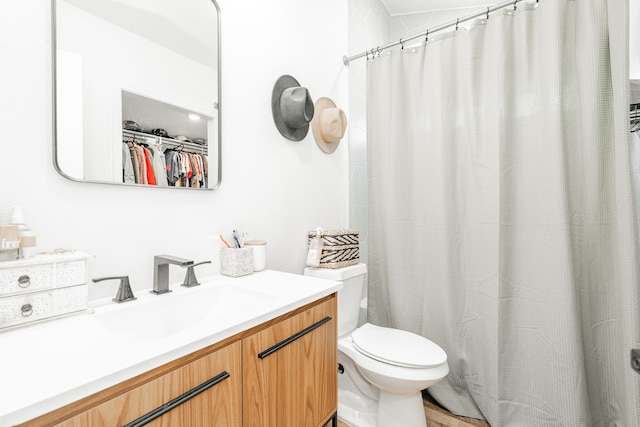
x,y
42,286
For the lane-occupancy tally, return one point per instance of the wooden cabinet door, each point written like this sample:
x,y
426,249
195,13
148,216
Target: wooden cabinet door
x,y
206,392
220,405
290,370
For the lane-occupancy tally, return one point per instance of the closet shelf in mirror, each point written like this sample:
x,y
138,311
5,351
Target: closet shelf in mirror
x,y
166,142
163,162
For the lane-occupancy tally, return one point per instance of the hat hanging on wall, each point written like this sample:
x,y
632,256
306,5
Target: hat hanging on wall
x,y
328,125
292,108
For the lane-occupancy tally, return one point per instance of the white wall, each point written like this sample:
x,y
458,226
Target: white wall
x,y
272,187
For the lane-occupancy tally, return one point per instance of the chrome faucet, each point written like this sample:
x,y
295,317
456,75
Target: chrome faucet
x,y
190,279
124,290
161,271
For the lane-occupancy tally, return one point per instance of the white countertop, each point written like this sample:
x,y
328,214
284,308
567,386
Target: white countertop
x,y
48,365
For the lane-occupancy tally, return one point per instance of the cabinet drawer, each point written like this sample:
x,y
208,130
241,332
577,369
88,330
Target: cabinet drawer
x,y
25,308
219,405
70,273
26,279
35,278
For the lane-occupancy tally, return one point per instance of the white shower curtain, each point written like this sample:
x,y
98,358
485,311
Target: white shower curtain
x,y
501,212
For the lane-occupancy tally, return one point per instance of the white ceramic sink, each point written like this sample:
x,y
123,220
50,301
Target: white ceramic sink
x,y
49,365
182,311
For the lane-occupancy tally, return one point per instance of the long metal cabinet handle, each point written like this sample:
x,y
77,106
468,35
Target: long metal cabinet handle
x,y
174,403
292,338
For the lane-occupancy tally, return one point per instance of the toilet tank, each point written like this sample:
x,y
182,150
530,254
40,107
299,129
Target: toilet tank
x,y
353,282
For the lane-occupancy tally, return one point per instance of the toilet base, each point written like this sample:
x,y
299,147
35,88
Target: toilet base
x,y
356,411
396,410
357,399
391,410
362,405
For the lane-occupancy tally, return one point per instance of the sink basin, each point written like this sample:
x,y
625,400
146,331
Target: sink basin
x,y
155,317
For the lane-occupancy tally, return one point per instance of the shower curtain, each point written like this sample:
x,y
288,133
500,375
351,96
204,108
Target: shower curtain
x,y
501,212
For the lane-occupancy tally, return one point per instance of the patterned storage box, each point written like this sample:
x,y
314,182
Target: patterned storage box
x,y
340,248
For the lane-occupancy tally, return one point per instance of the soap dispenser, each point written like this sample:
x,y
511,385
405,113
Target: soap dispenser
x,y
314,254
27,238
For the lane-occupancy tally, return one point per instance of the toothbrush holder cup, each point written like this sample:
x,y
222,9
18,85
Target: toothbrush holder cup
x,y
236,262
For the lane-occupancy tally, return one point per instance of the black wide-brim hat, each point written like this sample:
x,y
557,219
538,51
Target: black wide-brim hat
x,y
292,108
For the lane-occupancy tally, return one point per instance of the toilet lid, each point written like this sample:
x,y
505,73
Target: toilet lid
x,y
397,347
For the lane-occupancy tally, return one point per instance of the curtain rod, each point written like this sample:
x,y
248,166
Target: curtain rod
x,y
456,22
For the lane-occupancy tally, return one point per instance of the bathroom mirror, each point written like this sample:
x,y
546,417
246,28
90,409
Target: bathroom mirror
x,y
137,83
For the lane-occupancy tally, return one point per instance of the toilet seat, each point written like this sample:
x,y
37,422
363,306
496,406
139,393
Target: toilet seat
x,y
397,347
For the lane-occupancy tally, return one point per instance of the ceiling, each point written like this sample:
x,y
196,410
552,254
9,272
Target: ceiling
x,y
402,7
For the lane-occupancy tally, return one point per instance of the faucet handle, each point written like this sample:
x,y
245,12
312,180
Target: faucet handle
x,y
190,278
124,293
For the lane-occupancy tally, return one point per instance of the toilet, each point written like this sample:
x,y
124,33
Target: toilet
x,y
382,371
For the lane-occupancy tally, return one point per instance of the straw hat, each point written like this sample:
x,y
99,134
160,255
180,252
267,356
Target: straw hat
x,y
328,125
292,108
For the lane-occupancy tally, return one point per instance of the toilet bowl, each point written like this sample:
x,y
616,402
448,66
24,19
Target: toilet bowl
x,y
382,370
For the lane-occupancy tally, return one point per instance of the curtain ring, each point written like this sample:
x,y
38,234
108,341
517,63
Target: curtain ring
x,y
426,37
515,5
366,52
378,50
487,13
457,22
402,43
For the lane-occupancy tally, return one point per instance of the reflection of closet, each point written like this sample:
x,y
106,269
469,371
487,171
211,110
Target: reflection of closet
x,y
634,117
149,159
634,108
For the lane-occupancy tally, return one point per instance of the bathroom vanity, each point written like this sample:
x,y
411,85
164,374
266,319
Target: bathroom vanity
x,y
256,351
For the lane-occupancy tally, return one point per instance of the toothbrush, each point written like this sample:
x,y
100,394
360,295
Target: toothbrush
x,y
236,240
222,239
